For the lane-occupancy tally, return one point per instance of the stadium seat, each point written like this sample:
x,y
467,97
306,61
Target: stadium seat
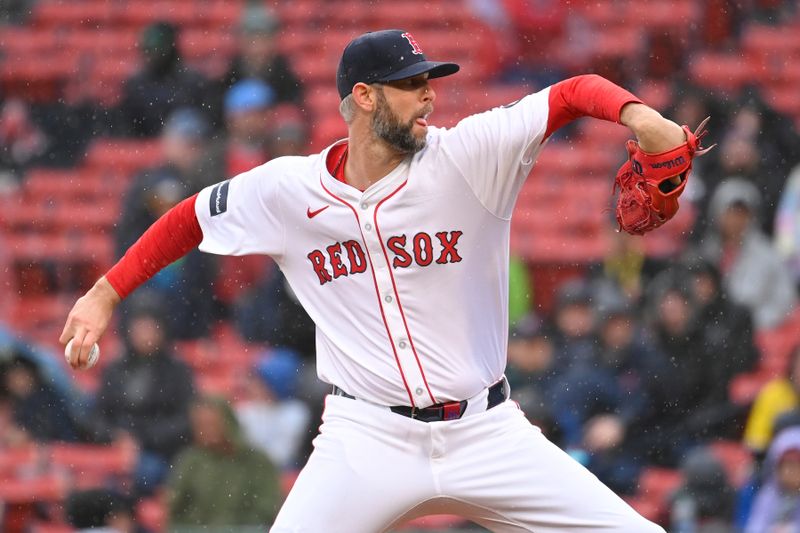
x,y
139,14
744,387
288,478
47,487
652,510
103,42
152,513
53,14
720,71
19,462
776,344
123,157
51,527
772,41
327,130
91,465
735,458
22,43
658,484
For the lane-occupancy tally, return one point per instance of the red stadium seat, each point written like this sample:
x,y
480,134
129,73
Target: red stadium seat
x,y
52,14
19,462
42,488
652,510
744,387
327,130
287,480
658,484
91,465
777,344
152,513
735,458
123,157
720,71
51,527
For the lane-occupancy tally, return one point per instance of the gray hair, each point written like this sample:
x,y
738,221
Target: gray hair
x,y
347,108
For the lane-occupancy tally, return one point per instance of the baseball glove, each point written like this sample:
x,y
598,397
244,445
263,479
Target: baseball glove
x,y
648,191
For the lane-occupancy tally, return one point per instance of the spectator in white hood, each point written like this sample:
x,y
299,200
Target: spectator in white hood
x,y
753,272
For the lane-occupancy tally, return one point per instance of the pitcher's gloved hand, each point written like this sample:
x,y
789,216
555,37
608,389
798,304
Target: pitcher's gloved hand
x,y
650,184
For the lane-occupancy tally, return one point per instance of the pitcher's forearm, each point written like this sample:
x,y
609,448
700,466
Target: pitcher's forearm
x,y
655,133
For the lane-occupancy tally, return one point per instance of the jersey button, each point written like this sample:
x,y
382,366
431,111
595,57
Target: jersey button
x,y
402,344
364,205
368,226
388,299
419,391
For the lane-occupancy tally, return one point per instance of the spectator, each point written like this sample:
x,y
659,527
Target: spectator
x,y
11,435
38,409
185,170
247,104
145,394
269,312
219,481
575,339
758,145
777,397
752,271
274,420
289,134
258,56
531,370
100,511
705,500
15,11
787,225
537,25
691,105
777,505
726,328
695,406
606,408
247,108
163,84
22,142
624,268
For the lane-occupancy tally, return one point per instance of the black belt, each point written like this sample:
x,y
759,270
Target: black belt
x,y
442,411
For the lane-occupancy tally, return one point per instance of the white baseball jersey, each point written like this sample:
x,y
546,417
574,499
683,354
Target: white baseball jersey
x,y
407,281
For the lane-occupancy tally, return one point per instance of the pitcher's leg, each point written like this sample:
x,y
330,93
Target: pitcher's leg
x,y
502,464
366,470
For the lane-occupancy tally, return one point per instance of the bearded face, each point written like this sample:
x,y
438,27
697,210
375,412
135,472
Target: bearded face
x,y
388,126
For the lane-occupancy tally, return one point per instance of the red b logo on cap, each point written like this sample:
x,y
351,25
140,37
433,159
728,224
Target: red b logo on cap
x,y
413,42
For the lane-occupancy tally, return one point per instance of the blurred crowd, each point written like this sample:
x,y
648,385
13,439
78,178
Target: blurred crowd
x,y
631,367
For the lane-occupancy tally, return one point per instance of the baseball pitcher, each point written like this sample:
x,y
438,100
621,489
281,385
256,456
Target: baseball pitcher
x,y
396,242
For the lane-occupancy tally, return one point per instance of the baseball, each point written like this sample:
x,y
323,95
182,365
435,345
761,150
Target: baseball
x,y
94,354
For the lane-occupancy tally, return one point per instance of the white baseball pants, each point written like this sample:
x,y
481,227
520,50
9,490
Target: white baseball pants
x,y
373,469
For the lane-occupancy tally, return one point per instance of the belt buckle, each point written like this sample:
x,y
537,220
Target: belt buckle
x,y
451,411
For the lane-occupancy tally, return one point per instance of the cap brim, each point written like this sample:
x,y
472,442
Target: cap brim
x,y
435,69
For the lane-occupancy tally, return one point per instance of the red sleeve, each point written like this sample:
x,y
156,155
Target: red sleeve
x,y
588,95
171,237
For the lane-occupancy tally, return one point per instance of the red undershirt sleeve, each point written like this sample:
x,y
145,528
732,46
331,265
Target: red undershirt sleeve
x,y
171,237
588,95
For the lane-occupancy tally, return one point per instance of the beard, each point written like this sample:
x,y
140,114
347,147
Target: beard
x,y
388,127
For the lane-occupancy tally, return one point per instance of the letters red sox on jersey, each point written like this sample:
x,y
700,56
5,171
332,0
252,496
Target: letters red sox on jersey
x,y
406,281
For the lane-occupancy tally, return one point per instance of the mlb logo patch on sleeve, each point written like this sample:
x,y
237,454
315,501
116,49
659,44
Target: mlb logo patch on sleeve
x,y
218,201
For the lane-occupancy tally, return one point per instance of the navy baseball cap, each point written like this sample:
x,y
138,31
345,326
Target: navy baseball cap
x,y
386,55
